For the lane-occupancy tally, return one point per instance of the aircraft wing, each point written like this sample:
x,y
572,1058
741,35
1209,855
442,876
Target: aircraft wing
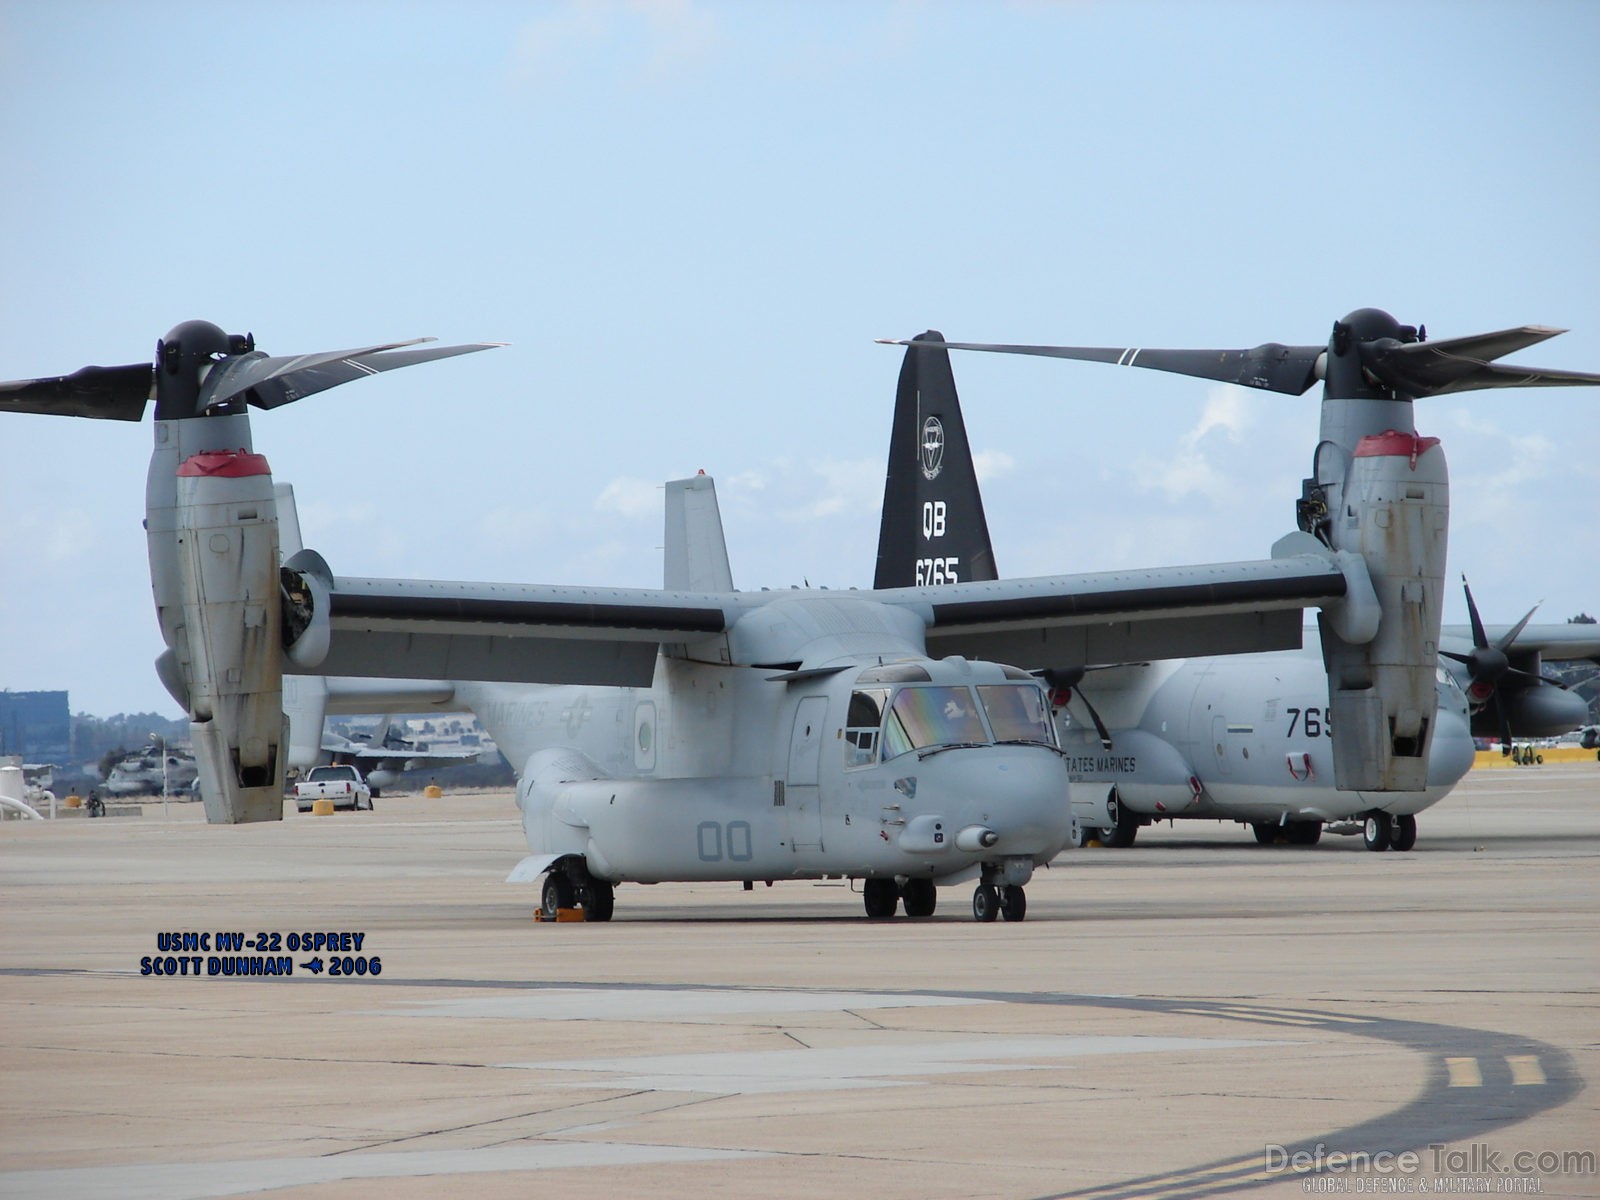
x,y
533,633
415,760
423,629
1125,616
1553,642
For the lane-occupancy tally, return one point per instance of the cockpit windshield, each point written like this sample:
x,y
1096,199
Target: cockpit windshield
x,y
924,717
1017,712
932,716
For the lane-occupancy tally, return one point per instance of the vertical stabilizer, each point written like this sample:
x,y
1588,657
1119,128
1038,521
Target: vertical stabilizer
x,y
696,558
290,542
305,705
933,529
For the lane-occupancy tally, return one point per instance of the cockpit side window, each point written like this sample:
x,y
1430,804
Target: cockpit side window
x,y
932,716
862,722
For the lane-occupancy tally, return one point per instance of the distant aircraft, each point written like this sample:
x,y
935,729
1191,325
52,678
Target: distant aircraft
x,y
1500,669
1250,738
382,760
698,732
149,772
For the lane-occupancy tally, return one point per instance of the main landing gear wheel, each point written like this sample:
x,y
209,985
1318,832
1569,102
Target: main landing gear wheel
x,y
599,900
1303,833
557,894
1124,824
919,897
1403,834
1266,832
880,897
985,903
1377,831
1013,903
1087,834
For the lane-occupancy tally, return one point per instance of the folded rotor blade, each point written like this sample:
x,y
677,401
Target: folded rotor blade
x,y
1271,366
1467,364
272,382
108,393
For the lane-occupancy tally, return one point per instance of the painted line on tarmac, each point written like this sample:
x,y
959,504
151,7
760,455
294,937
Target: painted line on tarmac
x,y
1517,1078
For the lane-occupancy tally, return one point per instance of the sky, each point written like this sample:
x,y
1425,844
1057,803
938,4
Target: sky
x,y
689,220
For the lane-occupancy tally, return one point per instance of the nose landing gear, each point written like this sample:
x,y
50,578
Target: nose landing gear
x,y
990,902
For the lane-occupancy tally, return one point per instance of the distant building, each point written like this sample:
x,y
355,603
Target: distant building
x,y
36,725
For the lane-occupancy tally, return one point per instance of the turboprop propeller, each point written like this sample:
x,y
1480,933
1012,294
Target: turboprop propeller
x,y
1062,682
1489,664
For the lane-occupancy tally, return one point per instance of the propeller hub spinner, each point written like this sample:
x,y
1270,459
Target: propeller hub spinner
x,y
181,357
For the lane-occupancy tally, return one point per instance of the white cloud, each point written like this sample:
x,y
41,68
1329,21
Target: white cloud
x,y
992,464
848,486
655,39
630,498
54,539
1200,464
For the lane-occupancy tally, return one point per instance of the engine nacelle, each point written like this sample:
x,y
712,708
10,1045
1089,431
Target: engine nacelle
x,y
1393,510
224,556
1536,712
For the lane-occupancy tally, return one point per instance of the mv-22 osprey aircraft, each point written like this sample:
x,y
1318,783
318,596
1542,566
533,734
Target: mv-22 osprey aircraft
x,y
1250,738
702,733
1245,738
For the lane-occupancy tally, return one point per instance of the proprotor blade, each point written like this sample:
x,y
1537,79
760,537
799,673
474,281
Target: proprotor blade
x,y
275,381
107,393
1271,366
1466,364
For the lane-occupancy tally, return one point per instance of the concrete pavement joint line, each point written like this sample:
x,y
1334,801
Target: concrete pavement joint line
x,y
106,1051
664,1105
210,1180
663,1005
427,1133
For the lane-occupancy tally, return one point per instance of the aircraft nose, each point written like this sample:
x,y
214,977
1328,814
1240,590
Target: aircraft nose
x,y
1451,755
1019,792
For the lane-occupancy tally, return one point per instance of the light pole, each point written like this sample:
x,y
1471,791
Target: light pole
x,y
156,737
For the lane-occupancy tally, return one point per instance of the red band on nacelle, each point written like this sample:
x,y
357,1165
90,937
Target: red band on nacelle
x,y
1393,443
224,464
